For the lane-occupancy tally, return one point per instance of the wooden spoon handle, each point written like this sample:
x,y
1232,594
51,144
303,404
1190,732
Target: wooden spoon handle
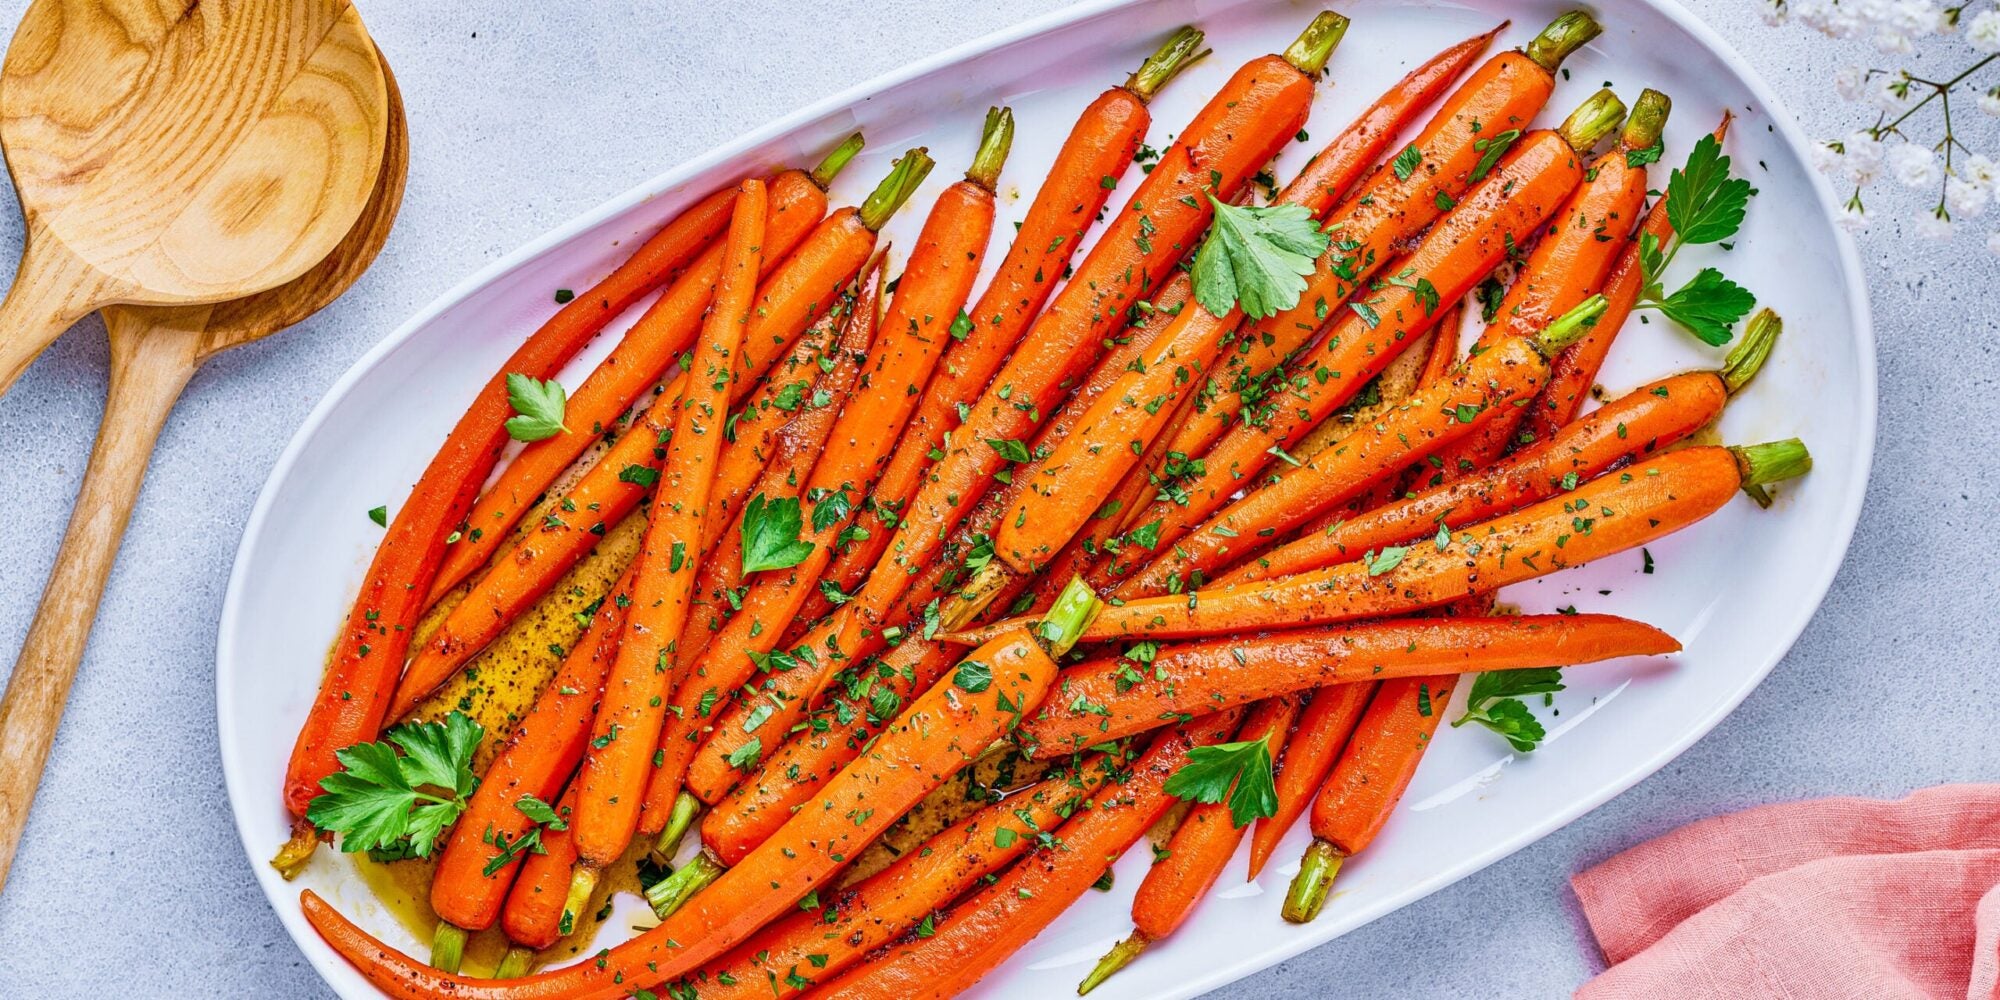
x,y
51,291
149,367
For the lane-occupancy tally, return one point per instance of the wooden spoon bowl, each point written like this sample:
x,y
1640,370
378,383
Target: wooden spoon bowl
x,y
170,152
154,351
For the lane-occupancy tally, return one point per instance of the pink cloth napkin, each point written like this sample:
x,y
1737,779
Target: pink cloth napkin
x,y
1831,898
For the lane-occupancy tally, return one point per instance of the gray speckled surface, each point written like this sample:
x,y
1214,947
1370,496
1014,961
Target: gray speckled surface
x,y
131,856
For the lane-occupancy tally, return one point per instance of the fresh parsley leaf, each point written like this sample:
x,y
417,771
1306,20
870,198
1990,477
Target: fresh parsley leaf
x,y
380,515
1009,449
643,476
961,326
1407,161
1704,203
1515,683
1492,149
1709,306
1145,536
1387,559
1642,157
1257,258
744,758
385,801
771,534
541,812
1240,771
973,677
835,596
831,509
1512,720
538,408
1495,702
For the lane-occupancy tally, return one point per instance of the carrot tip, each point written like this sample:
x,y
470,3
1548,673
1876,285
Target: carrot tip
x,y
903,179
995,141
1563,36
837,160
447,946
673,892
1307,895
1771,462
1649,119
515,963
1120,956
1314,46
1181,50
1749,354
1592,120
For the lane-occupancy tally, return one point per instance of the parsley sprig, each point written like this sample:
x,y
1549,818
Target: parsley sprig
x,y
1257,257
397,804
771,534
1496,704
538,407
1241,772
1706,205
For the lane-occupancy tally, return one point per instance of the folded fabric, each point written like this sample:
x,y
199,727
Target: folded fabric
x,y
1832,898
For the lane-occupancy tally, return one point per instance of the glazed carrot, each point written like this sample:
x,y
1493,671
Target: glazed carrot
x,y
1100,701
941,732
933,287
1394,207
798,201
1567,266
1257,110
821,942
612,778
1624,430
1198,851
792,450
482,854
1492,385
354,694
1100,146
1608,515
844,638
990,926
1324,726
801,289
1498,214
533,919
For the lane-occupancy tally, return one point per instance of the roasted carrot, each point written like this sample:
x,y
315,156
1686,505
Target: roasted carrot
x,y
1498,215
1624,430
821,942
1100,146
485,847
354,695
1196,854
798,201
787,463
933,287
1392,208
801,289
941,732
533,919
1258,110
612,779
1324,725
1610,514
1575,371
982,932
1492,385
1100,700
1568,265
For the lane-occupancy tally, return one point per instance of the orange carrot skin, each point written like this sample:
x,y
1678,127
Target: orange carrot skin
x,y
1576,368
932,289
539,757
1504,93
1388,744
1101,144
822,942
1567,266
533,917
648,349
1204,676
846,638
354,695
611,783
1652,417
1496,216
1242,127
800,289
1207,837
1494,386
1324,726
990,926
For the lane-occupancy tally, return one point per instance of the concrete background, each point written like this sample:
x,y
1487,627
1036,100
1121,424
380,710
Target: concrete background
x,y
523,115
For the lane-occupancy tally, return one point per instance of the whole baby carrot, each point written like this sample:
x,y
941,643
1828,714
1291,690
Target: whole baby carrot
x,y
354,695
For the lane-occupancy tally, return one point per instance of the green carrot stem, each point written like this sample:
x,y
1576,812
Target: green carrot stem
x,y
515,963
1772,462
1648,120
447,946
1066,619
837,160
686,808
671,893
582,883
979,590
1570,326
1181,50
1593,120
1564,35
909,171
995,140
1314,46
1751,351
1307,895
1117,958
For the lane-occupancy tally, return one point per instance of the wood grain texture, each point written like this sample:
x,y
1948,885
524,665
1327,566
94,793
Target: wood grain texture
x,y
181,153
154,351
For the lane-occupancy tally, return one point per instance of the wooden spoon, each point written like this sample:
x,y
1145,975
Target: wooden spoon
x,y
154,350
174,152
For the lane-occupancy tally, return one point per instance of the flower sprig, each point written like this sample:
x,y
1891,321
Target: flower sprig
x,y
1910,109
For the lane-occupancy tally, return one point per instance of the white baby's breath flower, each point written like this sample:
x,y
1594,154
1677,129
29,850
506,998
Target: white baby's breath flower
x,y
1851,82
1892,43
1864,160
1983,32
1912,165
1891,93
1979,170
1989,102
1934,226
1827,160
1852,218
1965,200
1774,11
1913,17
